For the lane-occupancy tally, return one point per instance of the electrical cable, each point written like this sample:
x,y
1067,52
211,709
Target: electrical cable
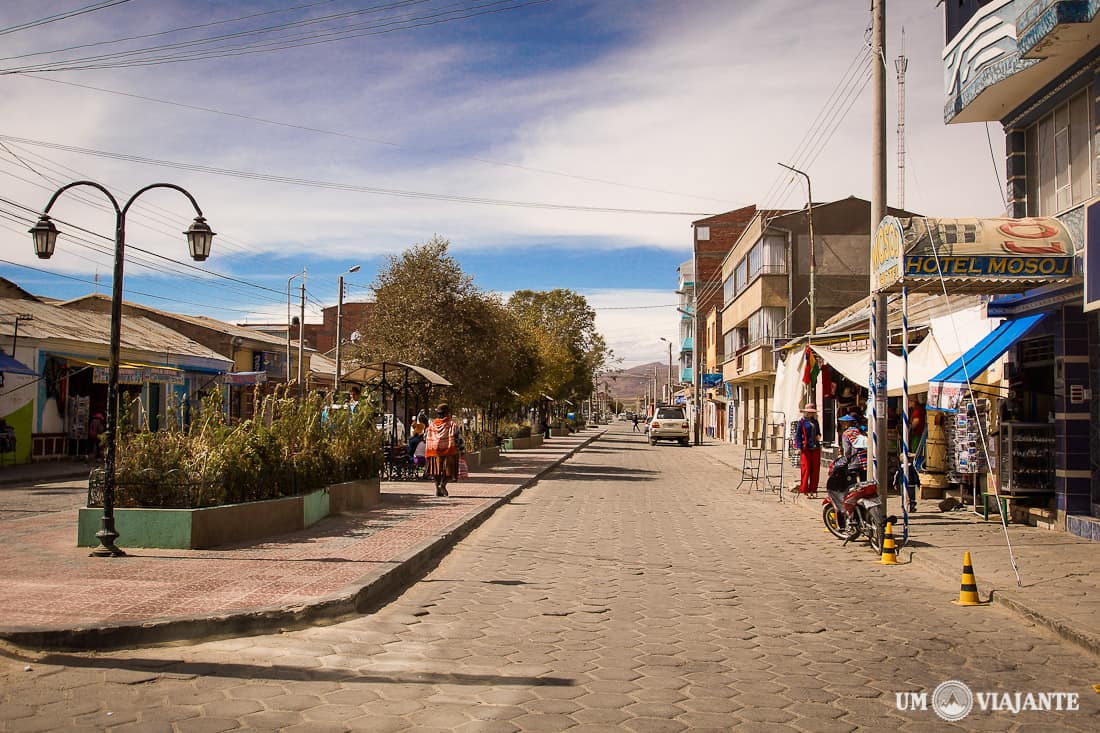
x,y
61,16
330,185
352,136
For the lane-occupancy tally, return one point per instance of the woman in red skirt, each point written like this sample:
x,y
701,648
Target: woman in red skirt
x,y
443,447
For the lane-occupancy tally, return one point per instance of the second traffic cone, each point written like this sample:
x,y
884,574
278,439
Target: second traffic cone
x,y
968,590
889,550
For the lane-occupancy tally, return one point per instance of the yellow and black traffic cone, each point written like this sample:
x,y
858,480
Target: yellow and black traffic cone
x,y
889,549
968,591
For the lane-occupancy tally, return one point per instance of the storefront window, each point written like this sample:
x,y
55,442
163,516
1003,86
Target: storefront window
x,y
1059,155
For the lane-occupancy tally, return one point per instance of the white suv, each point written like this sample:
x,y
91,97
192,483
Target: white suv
x,y
669,423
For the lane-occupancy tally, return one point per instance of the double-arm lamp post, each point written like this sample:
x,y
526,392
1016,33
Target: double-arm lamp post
x,y
199,237
339,336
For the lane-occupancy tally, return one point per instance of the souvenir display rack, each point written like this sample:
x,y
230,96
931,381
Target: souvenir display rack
x,y
1027,458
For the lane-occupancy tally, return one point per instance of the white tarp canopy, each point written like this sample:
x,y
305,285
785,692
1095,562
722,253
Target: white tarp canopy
x,y
788,385
856,365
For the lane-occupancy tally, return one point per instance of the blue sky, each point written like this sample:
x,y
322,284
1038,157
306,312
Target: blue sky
x,y
662,110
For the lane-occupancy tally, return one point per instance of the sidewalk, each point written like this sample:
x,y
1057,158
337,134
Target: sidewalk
x,y
42,471
1059,572
58,597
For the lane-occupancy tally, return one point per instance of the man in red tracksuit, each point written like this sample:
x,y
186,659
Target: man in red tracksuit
x,y
807,438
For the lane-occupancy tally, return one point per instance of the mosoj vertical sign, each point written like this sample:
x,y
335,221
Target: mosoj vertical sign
x,y
886,252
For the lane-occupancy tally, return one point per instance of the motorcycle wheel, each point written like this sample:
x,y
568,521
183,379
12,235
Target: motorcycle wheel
x,y
832,522
877,529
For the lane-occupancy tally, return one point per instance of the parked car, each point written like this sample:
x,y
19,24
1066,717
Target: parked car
x,y
668,423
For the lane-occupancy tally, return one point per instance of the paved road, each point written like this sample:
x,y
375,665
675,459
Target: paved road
x,y
632,590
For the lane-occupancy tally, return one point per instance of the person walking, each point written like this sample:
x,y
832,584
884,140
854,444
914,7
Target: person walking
x,y
636,424
807,439
443,447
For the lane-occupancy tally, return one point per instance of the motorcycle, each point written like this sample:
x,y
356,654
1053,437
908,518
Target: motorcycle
x,y
853,508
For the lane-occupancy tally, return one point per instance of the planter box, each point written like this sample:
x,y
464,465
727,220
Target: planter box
x,y
195,529
489,456
473,460
535,441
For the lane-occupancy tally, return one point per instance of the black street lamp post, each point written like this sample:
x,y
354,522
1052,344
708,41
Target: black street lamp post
x,y
199,237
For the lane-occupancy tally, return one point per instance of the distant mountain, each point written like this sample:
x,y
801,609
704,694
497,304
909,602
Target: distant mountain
x,y
632,385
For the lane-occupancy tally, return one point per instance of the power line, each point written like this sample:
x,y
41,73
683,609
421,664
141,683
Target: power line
x,y
375,141
118,60
61,16
330,185
151,253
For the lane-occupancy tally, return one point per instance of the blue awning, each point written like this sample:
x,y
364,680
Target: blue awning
x,y
985,352
8,365
686,375
687,344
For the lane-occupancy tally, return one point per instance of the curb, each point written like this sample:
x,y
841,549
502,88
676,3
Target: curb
x,y
374,590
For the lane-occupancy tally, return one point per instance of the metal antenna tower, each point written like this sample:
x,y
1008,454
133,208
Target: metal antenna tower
x,y
901,64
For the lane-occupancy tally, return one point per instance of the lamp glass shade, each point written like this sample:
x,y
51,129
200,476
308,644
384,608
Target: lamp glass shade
x,y
45,237
199,238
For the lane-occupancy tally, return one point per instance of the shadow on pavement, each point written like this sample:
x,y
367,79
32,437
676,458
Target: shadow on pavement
x,y
283,672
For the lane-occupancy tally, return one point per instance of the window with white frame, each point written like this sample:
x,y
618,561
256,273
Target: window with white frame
x,y
702,234
729,289
1059,158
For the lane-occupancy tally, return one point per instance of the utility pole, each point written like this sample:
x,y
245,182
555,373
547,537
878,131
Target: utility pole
x,y
879,330
302,341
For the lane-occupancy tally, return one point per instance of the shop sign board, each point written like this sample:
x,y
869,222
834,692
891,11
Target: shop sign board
x,y
130,374
712,380
244,379
920,250
886,252
1092,255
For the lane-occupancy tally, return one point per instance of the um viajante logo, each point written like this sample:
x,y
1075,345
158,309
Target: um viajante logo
x,y
954,700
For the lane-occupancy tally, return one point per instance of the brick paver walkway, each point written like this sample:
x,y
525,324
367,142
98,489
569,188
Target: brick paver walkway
x,y
630,590
49,582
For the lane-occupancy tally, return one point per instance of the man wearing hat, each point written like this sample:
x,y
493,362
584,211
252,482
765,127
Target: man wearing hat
x,y
853,444
807,439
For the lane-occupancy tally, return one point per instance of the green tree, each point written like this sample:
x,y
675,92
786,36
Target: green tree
x,y
428,312
571,350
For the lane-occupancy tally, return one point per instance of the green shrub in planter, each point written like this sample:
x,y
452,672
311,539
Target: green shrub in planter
x,y
289,447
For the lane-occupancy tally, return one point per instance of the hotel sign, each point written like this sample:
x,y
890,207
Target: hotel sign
x,y
988,255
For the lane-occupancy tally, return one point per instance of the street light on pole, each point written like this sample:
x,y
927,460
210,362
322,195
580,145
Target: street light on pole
x,y
813,251
290,319
669,367
339,318
199,238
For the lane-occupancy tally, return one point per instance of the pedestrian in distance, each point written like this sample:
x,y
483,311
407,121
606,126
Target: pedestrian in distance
x,y
96,427
807,439
443,448
636,424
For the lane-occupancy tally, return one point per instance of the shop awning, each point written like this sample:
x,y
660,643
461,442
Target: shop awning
x,y
9,365
970,255
975,361
856,365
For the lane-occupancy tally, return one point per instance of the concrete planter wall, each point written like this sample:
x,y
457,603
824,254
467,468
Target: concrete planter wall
x,y
535,441
473,460
489,456
194,529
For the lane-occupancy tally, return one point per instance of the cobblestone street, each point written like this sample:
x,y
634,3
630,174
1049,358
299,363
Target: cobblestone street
x,y
631,589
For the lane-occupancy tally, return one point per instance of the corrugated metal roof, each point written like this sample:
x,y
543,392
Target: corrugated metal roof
x,y
213,324
70,324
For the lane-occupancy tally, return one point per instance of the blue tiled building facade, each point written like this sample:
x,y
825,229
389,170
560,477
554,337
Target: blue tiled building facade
x,y
1033,66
